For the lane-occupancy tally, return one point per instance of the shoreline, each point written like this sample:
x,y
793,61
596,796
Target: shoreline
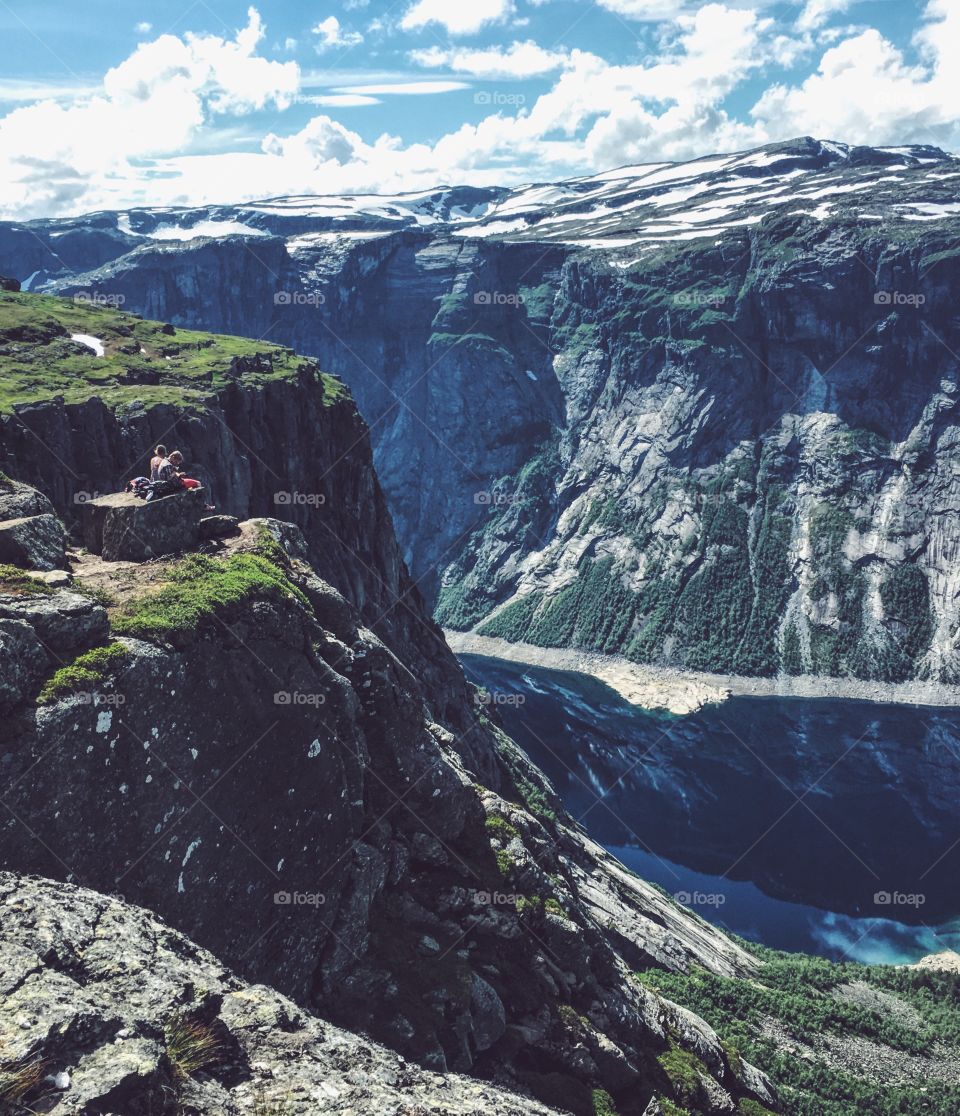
x,y
681,692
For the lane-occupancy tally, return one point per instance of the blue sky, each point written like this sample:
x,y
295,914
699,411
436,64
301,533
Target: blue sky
x,y
178,102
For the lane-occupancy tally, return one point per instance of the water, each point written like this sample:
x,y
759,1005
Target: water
x,y
820,825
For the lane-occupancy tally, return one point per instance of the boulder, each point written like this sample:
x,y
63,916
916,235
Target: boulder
x,y
36,542
65,623
23,662
8,284
17,501
123,528
219,526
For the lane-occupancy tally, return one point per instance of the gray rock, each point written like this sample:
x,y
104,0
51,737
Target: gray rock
x,y
100,991
35,542
219,526
18,501
23,662
65,622
123,528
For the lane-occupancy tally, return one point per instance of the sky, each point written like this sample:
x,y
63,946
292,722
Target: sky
x,y
189,102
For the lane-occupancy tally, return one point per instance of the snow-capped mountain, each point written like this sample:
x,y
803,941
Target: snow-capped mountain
x,y
701,413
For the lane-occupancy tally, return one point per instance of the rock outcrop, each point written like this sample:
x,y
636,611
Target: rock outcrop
x,y
246,745
124,528
104,1008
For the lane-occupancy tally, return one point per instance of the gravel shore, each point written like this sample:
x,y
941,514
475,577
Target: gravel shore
x,y
684,692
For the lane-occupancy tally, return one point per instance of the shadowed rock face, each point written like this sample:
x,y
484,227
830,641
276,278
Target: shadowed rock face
x,y
271,780
594,412
108,996
124,528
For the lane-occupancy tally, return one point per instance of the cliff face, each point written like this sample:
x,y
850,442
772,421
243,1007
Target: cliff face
x,y
598,404
83,1031
269,745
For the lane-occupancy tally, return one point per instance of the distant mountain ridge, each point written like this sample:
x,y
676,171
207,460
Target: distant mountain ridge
x,y
699,413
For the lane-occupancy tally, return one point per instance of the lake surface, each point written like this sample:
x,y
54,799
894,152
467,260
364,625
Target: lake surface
x,y
821,825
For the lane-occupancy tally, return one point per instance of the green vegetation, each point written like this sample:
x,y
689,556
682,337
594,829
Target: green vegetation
x,y
906,604
198,588
798,994
686,1074
603,1104
538,301
18,583
501,829
144,361
85,674
191,1047
836,650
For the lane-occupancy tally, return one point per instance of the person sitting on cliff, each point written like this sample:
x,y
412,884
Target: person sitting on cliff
x,y
168,479
160,454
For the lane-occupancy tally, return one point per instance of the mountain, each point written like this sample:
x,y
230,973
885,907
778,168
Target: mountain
x,y
267,743
700,414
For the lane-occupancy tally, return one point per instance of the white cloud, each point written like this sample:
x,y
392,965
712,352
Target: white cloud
x,y
333,35
152,104
519,60
144,28
817,12
463,17
343,100
865,91
405,88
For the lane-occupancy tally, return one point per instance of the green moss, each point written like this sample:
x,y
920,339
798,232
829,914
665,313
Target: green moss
x,y
199,588
748,1107
670,1109
506,864
85,674
501,829
603,1104
17,582
144,361
686,1074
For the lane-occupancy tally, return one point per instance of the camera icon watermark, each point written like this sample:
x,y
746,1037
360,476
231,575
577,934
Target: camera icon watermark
x,y
299,298
487,499
498,698
494,898
699,300
99,298
898,899
700,898
299,499
99,699
86,497
498,298
299,899
493,98
298,698
899,298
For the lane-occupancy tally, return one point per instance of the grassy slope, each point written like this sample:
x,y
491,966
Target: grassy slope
x,y
798,994
143,361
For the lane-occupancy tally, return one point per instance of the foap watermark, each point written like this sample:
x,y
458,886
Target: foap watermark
x,y
698,300
299,899
498,298
99,298
899,298
499,99
486,499
898,899
99,699
498,697
494,898
298,698
700,898
86,497
298,298
299,499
